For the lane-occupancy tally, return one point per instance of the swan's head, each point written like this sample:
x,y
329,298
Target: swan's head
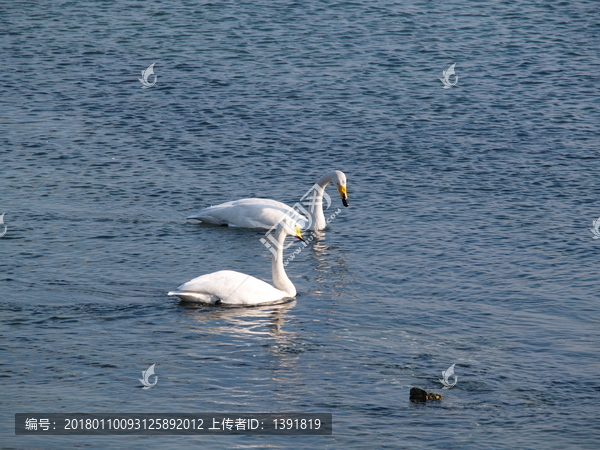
x,y
298,233
290,228
339,179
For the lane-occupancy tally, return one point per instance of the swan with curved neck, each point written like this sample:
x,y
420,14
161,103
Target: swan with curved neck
x,y
266,213
231,288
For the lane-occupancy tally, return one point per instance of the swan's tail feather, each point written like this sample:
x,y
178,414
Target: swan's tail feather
x,y
196,297
206,219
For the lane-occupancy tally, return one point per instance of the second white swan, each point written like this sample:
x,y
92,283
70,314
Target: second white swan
x,y
265,213
231,288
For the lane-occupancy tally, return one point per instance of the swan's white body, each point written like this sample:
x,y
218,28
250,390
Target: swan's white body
x,y
249,213
265,213
230,288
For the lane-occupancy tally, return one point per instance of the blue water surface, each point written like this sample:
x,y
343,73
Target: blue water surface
x,y
467,240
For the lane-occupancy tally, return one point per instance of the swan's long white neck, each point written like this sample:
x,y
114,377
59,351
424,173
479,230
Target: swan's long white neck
x,y
315,209
280,278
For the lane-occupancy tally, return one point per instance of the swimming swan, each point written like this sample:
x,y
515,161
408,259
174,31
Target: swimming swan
x,y
230,288
265,213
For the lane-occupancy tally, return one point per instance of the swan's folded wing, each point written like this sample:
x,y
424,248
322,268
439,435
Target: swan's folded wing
x,y
196,297
249,213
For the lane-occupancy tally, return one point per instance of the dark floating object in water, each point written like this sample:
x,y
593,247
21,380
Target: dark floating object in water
x,y
419,395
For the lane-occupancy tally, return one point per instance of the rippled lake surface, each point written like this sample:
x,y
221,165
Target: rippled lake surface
x,y
467,240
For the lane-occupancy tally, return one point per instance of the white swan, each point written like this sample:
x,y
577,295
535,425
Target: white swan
x,y
265,213
230,288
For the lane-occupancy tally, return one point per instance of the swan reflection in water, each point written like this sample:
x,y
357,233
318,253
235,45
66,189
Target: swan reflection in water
x,y
249,330
259,320
331,266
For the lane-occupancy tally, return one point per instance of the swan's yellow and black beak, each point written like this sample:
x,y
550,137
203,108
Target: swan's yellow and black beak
x,y
299,234
343,195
